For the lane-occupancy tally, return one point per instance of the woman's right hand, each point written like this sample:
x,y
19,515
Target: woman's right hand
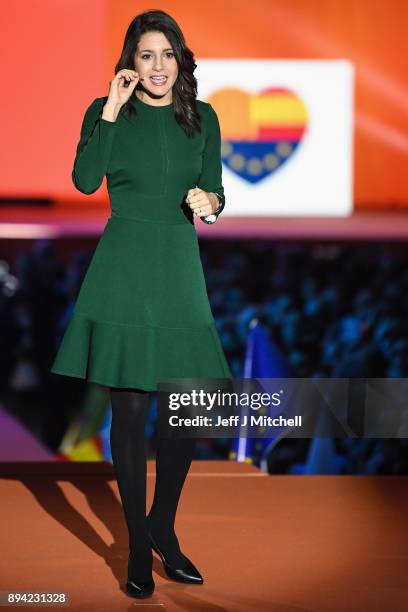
x,y
118,93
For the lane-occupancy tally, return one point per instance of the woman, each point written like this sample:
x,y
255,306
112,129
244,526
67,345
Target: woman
x,y
142,313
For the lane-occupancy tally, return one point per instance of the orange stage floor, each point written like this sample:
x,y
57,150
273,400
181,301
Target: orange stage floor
x,y
276,543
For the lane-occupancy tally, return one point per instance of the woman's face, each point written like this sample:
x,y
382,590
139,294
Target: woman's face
x,y
155,57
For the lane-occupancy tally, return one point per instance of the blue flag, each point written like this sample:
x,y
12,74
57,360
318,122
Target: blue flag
x,y
263,359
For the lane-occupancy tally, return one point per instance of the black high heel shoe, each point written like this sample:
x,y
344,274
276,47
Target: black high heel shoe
x,y
139,589
188,573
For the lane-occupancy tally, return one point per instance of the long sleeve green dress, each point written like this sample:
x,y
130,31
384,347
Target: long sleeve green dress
x,y
142,313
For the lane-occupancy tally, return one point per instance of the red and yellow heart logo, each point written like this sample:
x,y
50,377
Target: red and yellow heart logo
x,y
260,132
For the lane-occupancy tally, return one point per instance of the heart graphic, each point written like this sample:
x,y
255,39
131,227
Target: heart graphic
x,y
260,132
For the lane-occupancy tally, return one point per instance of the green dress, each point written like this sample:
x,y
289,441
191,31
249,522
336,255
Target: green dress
x,y
142,313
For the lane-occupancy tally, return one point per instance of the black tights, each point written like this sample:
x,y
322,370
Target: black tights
x,y
173,460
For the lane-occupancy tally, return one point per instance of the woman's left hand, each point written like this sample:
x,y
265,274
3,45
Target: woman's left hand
x,y
201,202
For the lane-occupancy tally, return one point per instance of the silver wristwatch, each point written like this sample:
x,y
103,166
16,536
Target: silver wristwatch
x,y
214,216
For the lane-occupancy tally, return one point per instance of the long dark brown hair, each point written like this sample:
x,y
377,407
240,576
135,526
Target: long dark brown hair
x,y
185,87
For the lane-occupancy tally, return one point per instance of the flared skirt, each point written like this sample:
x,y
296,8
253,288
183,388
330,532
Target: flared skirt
x,y
142,313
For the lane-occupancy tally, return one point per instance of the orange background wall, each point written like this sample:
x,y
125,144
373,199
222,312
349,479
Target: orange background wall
x,y
58,56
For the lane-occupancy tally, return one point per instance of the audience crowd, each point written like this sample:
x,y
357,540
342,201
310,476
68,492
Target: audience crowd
x,y
333,309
